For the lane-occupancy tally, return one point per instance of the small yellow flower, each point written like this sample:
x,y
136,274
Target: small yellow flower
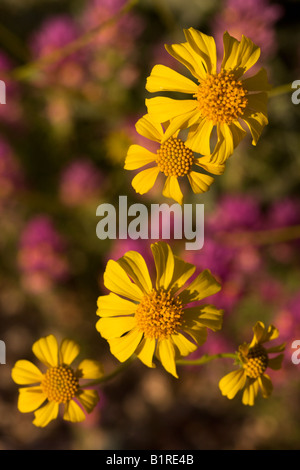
x,y
58,385
173,158
254,359
220,99
146,320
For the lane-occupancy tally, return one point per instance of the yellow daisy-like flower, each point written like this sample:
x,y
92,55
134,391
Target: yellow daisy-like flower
x,y
254,359
43,393
140,318
173,158
220,99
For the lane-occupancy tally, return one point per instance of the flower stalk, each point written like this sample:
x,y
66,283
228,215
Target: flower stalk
x,y
26,71
205,359
180,362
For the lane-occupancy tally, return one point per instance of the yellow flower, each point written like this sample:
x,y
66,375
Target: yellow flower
x,y
173,158
254,359
146,320
58,385
220,99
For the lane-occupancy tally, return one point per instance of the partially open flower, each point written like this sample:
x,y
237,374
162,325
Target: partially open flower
x,y
254,360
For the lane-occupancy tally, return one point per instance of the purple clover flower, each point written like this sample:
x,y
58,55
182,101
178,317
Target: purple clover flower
x,y
81,183
42,258
54,34
255,19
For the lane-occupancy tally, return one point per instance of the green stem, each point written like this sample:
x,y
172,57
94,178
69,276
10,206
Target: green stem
x,y
204,359
280,90
112,375
26,71
181,362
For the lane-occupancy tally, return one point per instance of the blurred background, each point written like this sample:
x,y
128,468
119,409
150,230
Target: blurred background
x,y
64,134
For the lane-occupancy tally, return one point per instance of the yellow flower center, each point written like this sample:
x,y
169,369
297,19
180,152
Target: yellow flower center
x,y
257,361
60,384
221,98
159,314
174,158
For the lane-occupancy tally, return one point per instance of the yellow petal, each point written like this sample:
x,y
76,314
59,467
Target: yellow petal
x,y
184,345
26,373
237,132
263,334
225,144
164,109
112,305
123,348
239,56
248,54
232,383
172,189
181,122
47,413
134,265
89,369
30,399
137,157
259,82
199,182
259,333
266,385
185,54
250,393
163,78
69,350
145,351
257,103
164,263
231,49
116,280
149,128
198,138
88,399
256,121
73,412
166,354
145,180
214,168
203,286
276,349
207,315
198,333
115,327
204,46
182,273
46,350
